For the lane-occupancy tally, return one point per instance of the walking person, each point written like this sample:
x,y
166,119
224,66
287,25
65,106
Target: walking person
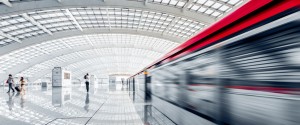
x,y
10,82
22,82
87,82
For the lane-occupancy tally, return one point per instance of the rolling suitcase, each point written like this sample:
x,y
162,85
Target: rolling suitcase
x,y
17,88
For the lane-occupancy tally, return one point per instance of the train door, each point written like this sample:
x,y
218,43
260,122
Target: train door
x,y
147,87
184,80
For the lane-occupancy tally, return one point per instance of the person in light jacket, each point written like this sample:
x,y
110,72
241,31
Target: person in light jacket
x,y
22,82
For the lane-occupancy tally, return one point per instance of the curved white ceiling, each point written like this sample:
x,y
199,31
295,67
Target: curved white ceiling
x,y
111,36
38,60
20,27
106,55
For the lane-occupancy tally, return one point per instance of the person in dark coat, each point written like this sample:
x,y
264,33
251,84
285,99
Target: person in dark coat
x,y
10,82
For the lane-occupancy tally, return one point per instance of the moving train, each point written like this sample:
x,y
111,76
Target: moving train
x,y
244,70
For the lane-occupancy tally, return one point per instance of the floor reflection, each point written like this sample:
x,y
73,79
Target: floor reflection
x,y
42,105
22,100
73,105
10,101
61,95
87,102
149,114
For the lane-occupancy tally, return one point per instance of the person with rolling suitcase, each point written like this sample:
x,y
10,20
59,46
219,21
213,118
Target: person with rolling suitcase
x,y
10,82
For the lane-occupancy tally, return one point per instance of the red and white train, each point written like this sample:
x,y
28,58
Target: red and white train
x,y
243,70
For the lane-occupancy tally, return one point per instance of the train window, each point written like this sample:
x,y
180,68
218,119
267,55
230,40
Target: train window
x,y
148,79
293,55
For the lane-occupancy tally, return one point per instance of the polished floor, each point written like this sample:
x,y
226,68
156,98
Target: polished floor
x,y
103,105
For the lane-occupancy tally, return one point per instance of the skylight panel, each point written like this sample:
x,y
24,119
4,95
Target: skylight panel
x,y
216,5
216,14
13,21
202,9
224,8
209,3
181,4
234,1
195,7
166,1
4,23
5,29
2,42
209,11
21,20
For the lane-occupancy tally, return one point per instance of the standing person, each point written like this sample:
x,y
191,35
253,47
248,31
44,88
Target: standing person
x,y
22,82
122,79
10,82
87,83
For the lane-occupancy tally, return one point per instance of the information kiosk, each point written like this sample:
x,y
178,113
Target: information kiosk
x,y
60,77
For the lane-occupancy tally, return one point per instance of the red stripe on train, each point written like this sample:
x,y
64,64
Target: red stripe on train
x,y
242,11
295,91
258,18
268,89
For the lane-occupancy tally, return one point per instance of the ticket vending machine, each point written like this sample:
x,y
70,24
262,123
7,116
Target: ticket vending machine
x,y
61,77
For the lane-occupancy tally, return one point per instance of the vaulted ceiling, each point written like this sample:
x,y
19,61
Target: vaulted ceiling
x,y
98,36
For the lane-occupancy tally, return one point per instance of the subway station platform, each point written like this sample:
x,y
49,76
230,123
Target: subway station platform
x,y
74,106
186,62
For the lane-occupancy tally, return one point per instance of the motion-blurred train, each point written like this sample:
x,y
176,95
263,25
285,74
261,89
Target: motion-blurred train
x,y
244,70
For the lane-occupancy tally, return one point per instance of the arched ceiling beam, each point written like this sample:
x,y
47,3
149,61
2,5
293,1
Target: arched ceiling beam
x,y
64,64
97,69
10,37
127,64
100,73
6,2
64,34
22,59
104,72
33,21
28,6
66,52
